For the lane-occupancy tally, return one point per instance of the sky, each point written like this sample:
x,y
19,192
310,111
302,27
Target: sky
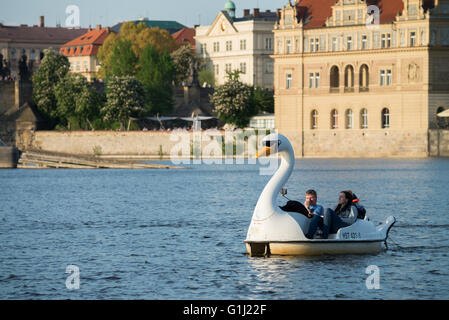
x,y
110,12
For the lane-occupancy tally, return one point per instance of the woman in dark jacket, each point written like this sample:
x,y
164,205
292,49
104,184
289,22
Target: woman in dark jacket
x,y
343,216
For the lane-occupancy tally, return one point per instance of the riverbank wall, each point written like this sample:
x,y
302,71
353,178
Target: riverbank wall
x,y
164,144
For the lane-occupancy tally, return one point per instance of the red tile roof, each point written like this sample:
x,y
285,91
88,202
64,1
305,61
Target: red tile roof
x,y
87,44
316,12
185,35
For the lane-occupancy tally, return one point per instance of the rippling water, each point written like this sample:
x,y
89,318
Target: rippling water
x,y
156,234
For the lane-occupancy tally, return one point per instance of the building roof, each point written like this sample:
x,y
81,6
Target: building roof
x,y
86,44
170,26
230,5
315,13
185,35
261,16
39,35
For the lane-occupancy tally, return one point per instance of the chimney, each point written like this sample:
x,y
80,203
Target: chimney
x,y
42,21
256,13
98,27
245,12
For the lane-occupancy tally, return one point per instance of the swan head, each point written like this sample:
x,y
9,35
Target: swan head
x,y
273,144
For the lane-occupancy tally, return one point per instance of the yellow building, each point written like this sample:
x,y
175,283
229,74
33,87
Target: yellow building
x,y
82,52
358,78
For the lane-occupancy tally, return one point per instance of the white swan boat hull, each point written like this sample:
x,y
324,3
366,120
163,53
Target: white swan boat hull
x,y
313,248
275,232
360,238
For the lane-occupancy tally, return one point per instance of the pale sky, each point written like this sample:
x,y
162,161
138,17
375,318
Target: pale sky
x,y
109,12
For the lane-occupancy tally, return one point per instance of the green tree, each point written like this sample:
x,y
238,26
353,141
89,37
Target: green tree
x,y
185,61
123,60
234,101
52,70
206,76
125,98
263,100
157,73
77,101
139,36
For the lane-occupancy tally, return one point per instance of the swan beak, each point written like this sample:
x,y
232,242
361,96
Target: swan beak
x,y
265,152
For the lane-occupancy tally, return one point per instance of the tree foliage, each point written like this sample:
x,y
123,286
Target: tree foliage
x,y
263,100
186,62
125,98
157,73
123,60
139,37
233,101
76,101
52,70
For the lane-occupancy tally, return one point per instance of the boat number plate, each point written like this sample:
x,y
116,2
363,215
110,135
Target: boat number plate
x,y
351,235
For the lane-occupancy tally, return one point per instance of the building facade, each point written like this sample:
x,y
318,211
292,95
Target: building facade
x,y
82,52
30,41
358,78
244,44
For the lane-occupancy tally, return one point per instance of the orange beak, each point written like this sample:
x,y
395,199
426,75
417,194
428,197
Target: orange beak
x,y
265,152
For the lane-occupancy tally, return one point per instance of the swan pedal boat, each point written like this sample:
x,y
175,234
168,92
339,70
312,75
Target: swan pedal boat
x,y
275,232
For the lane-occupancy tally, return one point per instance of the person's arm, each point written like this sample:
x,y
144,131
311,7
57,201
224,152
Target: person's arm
x,y
352,216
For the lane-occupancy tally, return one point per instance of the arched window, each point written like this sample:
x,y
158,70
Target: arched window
x,y
334,78
364,119
349,78
334,119
385,118
349,119
364,78
314,120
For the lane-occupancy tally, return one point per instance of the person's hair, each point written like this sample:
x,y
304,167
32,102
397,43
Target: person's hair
x,y
311,192
349,195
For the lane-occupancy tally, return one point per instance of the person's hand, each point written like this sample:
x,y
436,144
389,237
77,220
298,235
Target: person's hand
x,y
307,204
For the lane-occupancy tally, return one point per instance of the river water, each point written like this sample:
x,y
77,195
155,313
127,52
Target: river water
x,y
178,234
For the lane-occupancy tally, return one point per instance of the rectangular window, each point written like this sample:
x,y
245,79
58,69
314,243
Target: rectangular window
x,y
228,45
228,67
217,70
78,66
334,44
216,46
280,47
349,44
412,39
382,77
288,82
388,77
311,80
243,67
289,46
242,44
314,45
317,80
85,65
364,42
386,40
269,43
